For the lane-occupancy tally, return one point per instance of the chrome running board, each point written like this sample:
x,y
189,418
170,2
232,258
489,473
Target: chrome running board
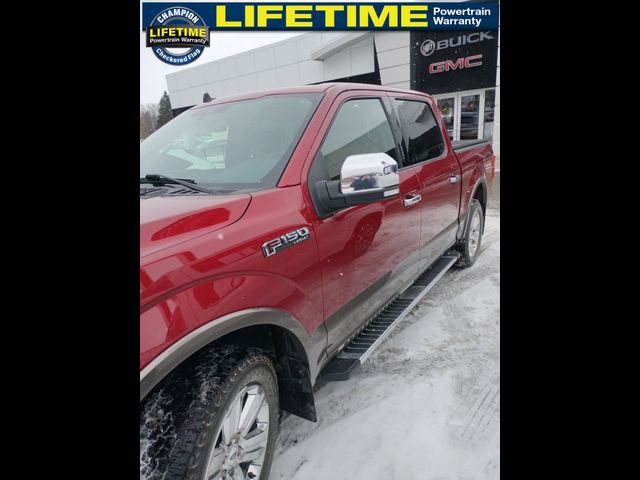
x,y
364,343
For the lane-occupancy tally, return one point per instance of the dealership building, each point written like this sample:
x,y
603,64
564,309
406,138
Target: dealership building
x,y
461,69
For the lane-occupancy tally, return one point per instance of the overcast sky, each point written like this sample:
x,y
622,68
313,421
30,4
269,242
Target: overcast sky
x,y
223,44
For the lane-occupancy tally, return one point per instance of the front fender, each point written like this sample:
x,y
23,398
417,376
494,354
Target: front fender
x,y
163,363
207,298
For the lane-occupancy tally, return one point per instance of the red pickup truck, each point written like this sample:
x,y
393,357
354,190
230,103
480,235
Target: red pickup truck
x,y
283,235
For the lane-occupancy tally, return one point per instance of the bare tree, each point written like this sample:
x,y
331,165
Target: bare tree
x,y
148,119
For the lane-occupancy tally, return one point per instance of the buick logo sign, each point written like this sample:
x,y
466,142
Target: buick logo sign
x,y
428,47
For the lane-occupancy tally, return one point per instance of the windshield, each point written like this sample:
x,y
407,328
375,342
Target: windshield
x,y
242,145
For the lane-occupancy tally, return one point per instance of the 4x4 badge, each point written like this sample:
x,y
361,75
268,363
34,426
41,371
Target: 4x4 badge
x,y
285,241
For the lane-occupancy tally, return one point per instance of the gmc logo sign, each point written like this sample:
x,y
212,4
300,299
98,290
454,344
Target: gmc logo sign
x,y
448,65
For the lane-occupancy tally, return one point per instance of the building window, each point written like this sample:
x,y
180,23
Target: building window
x,y
489,106
447,110
469,115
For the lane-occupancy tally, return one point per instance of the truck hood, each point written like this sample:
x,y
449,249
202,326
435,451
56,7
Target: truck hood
x,y
168,220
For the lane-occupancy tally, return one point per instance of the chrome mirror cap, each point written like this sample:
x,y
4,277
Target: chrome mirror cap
x,y
369,172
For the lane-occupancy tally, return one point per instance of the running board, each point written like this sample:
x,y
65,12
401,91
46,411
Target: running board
x,y
364,343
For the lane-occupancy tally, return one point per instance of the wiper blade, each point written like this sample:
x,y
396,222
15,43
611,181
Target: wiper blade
x,y
163,180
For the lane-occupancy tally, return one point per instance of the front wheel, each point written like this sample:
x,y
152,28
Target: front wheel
x,y
470,244
217,422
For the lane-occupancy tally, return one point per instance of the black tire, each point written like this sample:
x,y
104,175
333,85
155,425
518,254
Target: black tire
x,y
469,254
180,418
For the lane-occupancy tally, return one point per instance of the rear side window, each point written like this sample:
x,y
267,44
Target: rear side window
x,y
420,130
360,126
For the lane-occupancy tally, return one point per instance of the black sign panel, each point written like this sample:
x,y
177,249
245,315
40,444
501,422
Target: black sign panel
x,y
451,61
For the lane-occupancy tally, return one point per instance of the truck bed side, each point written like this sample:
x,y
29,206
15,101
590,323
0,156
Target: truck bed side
x,y
477,162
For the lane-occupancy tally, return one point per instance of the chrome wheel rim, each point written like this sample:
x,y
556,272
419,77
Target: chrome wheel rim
x,y
474,233
241,442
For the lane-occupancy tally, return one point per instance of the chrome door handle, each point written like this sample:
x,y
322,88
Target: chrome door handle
x,y
454,179
412,200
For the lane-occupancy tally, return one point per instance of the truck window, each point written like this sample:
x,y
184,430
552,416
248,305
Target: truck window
x,y
360,126
242,145
420,130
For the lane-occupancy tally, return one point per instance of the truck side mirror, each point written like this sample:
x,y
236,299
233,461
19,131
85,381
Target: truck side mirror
x,y
364,178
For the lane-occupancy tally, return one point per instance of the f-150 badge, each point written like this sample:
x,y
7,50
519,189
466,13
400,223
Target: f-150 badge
x,y
285,241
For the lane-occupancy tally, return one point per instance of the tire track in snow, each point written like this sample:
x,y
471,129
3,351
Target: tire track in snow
x,y
479,419
451,334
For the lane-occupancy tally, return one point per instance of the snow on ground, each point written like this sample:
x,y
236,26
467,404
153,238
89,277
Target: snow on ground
x,y
426,403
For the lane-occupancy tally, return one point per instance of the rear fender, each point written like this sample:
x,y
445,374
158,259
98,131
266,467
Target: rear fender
x,y
478,180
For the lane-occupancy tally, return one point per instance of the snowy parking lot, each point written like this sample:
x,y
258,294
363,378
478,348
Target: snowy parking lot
x,y
426,403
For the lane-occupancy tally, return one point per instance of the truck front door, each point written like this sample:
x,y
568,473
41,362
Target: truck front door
x,y
367,252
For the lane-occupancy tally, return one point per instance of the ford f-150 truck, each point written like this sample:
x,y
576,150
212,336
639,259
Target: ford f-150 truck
x,y
283,235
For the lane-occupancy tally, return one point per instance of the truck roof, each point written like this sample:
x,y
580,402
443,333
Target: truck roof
x,y
333,87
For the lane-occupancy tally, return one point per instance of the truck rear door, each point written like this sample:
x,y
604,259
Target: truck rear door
x,y
438,171
367,252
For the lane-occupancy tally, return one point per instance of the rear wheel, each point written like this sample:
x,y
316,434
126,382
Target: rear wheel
x,y
219,423
470,244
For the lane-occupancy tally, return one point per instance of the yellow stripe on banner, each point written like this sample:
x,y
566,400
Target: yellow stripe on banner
x,y
321,16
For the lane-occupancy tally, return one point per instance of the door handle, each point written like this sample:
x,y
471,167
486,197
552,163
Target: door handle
x,y
412,200
454,179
